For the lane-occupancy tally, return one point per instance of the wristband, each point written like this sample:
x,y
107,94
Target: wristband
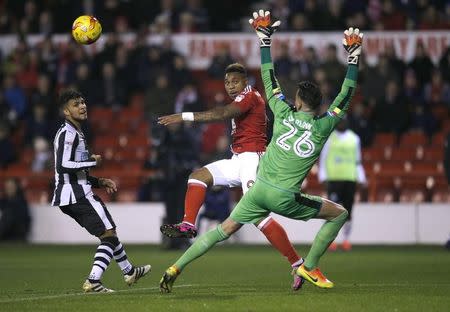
x,y
187,116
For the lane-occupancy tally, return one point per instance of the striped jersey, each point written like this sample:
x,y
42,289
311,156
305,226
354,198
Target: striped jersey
x,y
72,163
298,137
249,129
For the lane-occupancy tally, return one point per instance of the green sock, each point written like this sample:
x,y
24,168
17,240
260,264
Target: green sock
x,y
323,239
204,243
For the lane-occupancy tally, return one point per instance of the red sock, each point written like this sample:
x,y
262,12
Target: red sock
x,y
195,197
277,236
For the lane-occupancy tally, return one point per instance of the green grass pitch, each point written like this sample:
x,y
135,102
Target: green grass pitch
x,y
228,278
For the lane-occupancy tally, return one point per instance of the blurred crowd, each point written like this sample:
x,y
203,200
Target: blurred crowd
x,y
189,16
394,96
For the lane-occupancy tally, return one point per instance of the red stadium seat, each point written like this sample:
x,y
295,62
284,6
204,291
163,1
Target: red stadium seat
x,y
384,139
438,139
412,139
403,153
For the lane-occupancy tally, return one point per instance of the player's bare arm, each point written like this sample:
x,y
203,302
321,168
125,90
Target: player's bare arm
x,y
216,114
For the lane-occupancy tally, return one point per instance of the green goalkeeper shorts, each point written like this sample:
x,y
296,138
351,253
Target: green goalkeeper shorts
x,y
263,199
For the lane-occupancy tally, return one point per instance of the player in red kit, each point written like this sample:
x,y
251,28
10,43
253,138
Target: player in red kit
x,y
248,118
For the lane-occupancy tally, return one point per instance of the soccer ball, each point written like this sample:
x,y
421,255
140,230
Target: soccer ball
x,y
86,29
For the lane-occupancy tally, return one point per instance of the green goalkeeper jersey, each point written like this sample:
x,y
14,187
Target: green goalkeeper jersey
x,y
298,137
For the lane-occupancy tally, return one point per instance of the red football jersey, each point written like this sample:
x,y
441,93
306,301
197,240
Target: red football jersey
x,y
249,129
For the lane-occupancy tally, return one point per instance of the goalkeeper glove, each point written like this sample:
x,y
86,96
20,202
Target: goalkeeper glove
x,y
352,42
262,25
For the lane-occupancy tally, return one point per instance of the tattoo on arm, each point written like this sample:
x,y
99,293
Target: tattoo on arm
x,y
218,114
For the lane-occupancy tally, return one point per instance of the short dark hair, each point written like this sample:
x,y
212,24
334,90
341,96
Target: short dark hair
x,y
310,94
236,68
68,95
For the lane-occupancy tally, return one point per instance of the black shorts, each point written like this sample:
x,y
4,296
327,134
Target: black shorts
x,y
92,214
342,192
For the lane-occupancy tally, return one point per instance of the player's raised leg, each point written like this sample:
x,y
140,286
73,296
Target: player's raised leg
x,y
198,183
335,216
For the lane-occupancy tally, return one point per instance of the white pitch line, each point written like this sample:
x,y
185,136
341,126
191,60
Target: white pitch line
x,y
33,298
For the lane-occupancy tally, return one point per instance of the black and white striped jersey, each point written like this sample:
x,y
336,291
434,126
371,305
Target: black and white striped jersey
x,y
72,163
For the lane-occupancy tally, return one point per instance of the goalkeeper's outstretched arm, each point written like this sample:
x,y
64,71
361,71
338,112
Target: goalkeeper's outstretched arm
x,y
353,45
264,29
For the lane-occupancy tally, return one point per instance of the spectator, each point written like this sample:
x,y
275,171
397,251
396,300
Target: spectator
x,y
42,155
74,58
283,63
15,219
27,72
332,18
334,70
391,111
124,71
392,18
394,63
38,124
220,61
43,95
423,120
30,22
159,100
7,155
86,85
152,187
376,78
14,97
48,55
169,13
432,20
421,64
180,74
282,11
167,52
444,64
186,24
411,88
437,92
45,23
187,100
149,67
299,22
199,13
111,92
306,65
360,121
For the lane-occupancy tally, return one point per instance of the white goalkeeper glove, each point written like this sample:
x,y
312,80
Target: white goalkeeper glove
x,y
352,42
262,25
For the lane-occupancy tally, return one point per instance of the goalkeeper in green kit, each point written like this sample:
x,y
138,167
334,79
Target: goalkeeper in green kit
x,y
298,137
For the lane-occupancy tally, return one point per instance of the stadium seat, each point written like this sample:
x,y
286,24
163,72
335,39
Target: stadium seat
x,y
403,153
384,139
438,139
415,138
105,141
100,113
433,154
